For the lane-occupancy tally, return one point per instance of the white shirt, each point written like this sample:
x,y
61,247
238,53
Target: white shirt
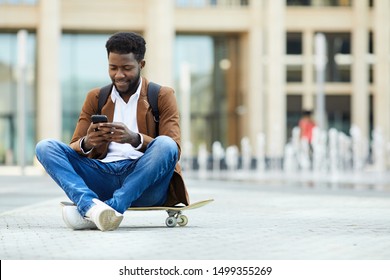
x,y
125,113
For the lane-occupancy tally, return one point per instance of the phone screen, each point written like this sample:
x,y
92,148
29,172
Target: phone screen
x,y
99,118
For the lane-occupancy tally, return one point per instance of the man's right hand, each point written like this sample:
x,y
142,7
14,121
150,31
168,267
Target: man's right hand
x,y
94,137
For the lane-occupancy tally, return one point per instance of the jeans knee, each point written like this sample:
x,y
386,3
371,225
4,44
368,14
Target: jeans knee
x,y
43,147
167,145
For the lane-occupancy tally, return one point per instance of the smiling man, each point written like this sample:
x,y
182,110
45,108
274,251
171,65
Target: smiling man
x,y
113,165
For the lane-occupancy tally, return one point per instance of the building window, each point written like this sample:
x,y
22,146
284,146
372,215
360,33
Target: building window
x,y
294,43
298,2
83,67
294,61
19,2
294,112
319,3
338,112
213,90
371,55
8,106
210,3
339,59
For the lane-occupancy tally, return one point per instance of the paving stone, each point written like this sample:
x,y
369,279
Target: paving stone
x,y
247,220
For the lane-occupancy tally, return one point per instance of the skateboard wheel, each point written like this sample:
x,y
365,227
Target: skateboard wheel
x,y
171,222
182,221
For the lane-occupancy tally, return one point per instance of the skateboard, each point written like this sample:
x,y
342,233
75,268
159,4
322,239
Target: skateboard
x,y
175,216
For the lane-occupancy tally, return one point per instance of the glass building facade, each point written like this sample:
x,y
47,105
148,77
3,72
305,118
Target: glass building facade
x,y
83,61
9,132
83,67
213,86
233,92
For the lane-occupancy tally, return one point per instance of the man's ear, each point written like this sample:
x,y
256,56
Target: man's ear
x,y
142,63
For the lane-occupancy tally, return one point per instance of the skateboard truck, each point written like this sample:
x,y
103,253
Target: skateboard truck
x,y
176,218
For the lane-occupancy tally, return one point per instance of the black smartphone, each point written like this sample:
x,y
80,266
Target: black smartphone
x,y
99,118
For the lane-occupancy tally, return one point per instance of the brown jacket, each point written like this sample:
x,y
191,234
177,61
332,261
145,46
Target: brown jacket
x,y
168,125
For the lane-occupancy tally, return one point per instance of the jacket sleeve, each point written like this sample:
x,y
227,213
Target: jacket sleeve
x,y
89,108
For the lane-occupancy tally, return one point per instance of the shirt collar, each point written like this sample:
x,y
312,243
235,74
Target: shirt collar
x,y
115,94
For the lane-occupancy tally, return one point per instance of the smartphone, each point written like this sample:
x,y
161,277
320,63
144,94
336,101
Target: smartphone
x,y
99,118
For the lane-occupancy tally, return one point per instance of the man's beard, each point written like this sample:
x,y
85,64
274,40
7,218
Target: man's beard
x,y
132,87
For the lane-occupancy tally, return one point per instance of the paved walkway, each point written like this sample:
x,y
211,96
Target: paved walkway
x,y
247,221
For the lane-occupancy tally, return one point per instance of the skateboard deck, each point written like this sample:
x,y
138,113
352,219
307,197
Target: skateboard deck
x,y
175,216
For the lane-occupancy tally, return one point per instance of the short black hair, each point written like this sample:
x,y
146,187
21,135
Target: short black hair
x,y
127,42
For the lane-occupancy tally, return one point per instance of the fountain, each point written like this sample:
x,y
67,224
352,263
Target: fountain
x,y
333,157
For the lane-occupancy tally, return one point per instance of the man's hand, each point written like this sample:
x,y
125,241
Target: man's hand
x,y
95,137
119,133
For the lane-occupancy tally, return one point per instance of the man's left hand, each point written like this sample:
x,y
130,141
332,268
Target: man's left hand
x,y
120,133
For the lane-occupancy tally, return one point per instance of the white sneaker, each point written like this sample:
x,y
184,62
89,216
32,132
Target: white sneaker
x,y
104,217
74,220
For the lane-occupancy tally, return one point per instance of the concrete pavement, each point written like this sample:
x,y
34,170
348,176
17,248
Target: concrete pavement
x,y
247,220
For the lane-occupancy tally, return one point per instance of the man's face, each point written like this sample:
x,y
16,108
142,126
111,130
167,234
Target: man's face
x,y
124,71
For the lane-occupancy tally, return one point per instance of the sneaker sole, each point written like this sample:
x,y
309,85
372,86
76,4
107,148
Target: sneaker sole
x,y
71,226
108,220
65,218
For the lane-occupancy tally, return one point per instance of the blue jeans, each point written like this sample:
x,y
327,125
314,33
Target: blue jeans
x,y
120,184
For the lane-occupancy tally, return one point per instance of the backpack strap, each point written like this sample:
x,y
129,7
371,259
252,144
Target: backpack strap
x,y
153,91
103,95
